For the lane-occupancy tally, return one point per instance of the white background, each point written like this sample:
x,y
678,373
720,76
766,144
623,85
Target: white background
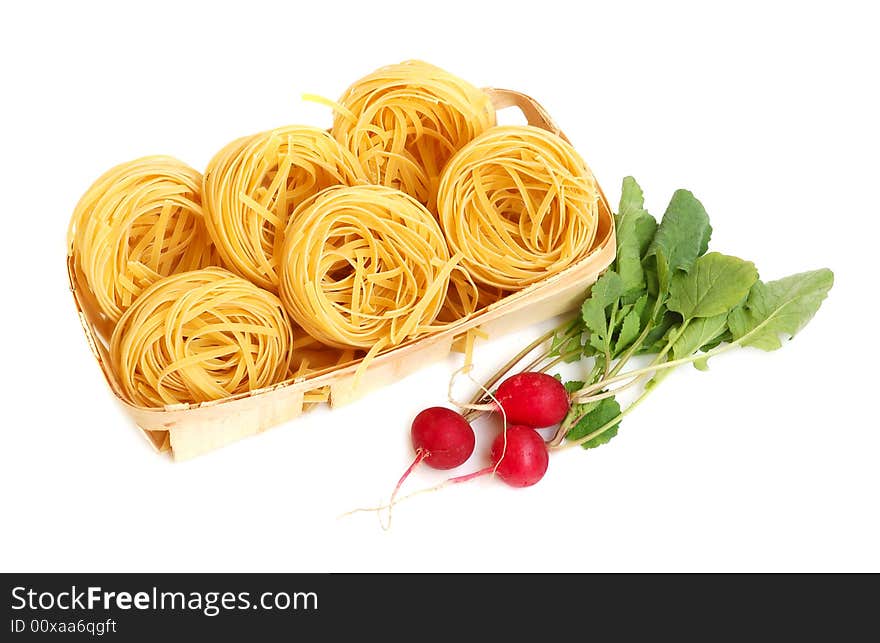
x,y
767,111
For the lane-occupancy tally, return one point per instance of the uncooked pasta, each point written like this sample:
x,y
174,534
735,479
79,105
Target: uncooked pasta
x,y
198,336
404,122
253,184
519,204
364,267
304,253
140,221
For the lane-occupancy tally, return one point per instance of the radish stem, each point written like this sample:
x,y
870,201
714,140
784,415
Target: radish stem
x,y
556,360
567,327
629,352
653,368
604,427
514,361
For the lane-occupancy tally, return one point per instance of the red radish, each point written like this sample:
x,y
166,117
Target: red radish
x,y
533,399
519,455
442,439
521,459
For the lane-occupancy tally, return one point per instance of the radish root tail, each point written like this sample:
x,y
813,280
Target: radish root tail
x,y
421,454
437,487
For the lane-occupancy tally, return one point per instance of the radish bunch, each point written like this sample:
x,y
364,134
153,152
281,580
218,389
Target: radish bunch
x,y
665,296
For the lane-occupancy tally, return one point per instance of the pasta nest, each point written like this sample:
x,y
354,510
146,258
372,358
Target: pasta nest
x,y
198,336
519,204
364,266
404,122
140,221
253,184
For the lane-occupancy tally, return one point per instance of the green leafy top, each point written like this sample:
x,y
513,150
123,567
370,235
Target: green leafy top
x,y
715,284
665,297
635,228
683,234
781,307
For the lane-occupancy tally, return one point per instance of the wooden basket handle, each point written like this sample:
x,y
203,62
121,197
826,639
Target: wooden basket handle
x,y
533,111
535,115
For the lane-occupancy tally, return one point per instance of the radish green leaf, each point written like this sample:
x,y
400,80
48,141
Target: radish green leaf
x,y
714,285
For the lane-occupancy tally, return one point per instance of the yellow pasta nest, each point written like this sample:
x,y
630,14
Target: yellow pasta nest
x,y
253,184
519,204
404,122
364,267
139,222
198,336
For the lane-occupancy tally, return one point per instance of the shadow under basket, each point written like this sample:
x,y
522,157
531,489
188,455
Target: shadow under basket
x,y
188,430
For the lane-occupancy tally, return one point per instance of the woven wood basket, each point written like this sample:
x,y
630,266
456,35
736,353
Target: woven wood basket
x,y
188,430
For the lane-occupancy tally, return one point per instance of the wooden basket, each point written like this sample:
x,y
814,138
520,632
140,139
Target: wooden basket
x,y
188,430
